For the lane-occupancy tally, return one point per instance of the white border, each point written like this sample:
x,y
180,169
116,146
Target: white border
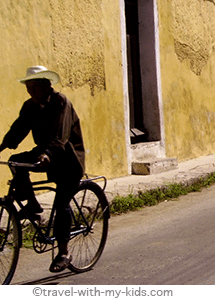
x,y
158,70
125,83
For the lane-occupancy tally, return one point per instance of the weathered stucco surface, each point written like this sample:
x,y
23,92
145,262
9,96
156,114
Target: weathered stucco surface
x,y
194,32
187,37
79,39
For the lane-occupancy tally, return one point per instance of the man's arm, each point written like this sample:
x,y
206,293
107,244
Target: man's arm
x,y
17,132
61,129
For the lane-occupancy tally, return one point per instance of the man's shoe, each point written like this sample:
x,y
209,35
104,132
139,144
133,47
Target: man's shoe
x,y
60,263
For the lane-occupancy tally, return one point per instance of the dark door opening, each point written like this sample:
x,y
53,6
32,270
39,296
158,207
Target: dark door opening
x,y
137,131
145,122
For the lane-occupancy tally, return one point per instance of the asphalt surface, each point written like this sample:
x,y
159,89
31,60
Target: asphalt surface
x,y
169,244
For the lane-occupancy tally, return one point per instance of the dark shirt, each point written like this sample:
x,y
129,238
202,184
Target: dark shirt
x,y
55,128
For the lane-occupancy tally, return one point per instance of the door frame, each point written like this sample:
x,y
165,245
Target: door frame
x,y
159,143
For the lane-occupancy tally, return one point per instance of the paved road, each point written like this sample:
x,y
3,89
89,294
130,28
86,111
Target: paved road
x,y
172,243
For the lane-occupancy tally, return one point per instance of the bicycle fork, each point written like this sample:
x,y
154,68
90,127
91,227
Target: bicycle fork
x,y
3,233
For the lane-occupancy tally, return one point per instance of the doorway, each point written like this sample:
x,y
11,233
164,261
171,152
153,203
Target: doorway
x,y
142,73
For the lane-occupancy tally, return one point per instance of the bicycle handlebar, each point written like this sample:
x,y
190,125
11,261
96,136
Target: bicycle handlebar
x,y
37,164
18,164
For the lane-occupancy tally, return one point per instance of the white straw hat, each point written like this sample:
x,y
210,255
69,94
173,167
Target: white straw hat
x,y
40,72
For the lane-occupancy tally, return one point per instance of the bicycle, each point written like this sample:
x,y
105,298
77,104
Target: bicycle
x,y
90,215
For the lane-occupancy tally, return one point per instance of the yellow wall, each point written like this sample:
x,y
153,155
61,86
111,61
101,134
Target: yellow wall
x,y
187,39
79,39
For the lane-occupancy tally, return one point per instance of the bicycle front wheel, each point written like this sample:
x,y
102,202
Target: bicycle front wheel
x,y
86,247
9,243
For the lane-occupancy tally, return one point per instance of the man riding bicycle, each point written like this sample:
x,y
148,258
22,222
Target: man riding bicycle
x,y
56,131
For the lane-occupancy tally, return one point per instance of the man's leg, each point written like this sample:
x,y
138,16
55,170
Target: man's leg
x,y
63,221
23,185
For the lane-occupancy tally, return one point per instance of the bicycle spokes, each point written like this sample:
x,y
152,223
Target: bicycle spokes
x,y
87,246
9,244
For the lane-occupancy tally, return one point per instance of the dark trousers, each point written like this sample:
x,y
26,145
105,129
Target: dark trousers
x,y
66,186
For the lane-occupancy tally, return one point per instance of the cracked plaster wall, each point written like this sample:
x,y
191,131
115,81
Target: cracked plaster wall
x,y
194,31
79,39
78,47
187,37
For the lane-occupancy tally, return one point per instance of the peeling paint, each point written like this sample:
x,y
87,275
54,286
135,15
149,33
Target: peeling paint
x,y
81,40
187,39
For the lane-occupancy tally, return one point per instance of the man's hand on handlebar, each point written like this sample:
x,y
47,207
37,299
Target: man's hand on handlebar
x,y
43,160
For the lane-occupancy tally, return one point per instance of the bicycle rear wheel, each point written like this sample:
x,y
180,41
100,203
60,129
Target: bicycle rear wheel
x,y
87,247
9,243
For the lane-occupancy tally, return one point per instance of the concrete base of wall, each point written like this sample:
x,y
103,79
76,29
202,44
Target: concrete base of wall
x,y
147,150
154,166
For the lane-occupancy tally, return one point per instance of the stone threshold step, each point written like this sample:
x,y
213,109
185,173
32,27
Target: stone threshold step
x,y
154,166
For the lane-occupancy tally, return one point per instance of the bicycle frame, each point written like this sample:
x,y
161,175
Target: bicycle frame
x,y
46,236
88,206
43,185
